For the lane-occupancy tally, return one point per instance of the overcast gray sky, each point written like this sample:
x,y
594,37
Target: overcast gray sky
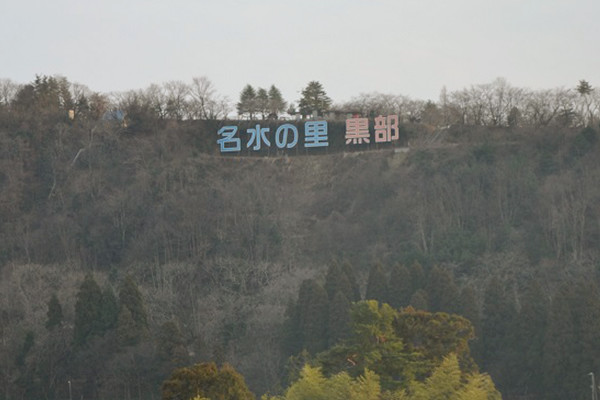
x,y
409,47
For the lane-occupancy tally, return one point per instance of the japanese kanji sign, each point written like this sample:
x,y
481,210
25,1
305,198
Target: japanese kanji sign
x,y
357,131
386,128
286,136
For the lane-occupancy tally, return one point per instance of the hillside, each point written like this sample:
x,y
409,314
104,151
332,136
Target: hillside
x,y
218,245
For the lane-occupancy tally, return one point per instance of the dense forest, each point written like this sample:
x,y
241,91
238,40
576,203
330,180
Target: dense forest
x,y
130,246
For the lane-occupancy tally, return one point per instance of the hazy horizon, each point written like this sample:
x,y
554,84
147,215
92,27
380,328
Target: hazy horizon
x,y
410,48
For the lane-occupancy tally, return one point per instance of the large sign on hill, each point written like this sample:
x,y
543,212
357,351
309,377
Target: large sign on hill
x,y
286,136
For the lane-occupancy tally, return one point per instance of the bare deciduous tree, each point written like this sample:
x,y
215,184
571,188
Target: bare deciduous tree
x,y
205,103
8,91
176,99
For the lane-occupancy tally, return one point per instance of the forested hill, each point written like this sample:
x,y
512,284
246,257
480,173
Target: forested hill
x,y
202,253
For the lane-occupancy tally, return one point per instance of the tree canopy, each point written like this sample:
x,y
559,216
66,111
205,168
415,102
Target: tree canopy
x,y
248,104
398,345
314,99
206,380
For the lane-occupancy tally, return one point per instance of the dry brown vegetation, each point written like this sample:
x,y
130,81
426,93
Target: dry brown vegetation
x,y
220,244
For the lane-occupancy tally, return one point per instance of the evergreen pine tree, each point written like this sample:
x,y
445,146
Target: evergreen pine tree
x,y
87,311
400,289
571,342
468,306
131,298
560,360
314,99
276,103
336,280
262,102
443,292
170,345
127,329
109,310
349,271
420,300
28,343
54,313
496,325
584,87
312,316
339,318
291,337
377,285
417,276
587,306
528,337
247,103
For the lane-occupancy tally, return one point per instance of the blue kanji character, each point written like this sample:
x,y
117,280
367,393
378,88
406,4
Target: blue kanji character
x,y
259,135
282,142
228,142
315,134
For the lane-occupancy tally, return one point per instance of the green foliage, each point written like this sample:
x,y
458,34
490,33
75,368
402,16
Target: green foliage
x,y
26,347
130,298
170,344
372,322
532,322
291,342
276,103
336,281
569,350
269,104
198,397
312,316
109,311
417,276
313,385
499,315
349,271
206,380
443,292
435,335
248,102
127,330
87,311
400,347
314,99
294,365
377,284
45,101
400,288
460,245
447,382
132,323
373,344
262,102
468,306
339,318
420,300
54,314
584,87
583,142
443,384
